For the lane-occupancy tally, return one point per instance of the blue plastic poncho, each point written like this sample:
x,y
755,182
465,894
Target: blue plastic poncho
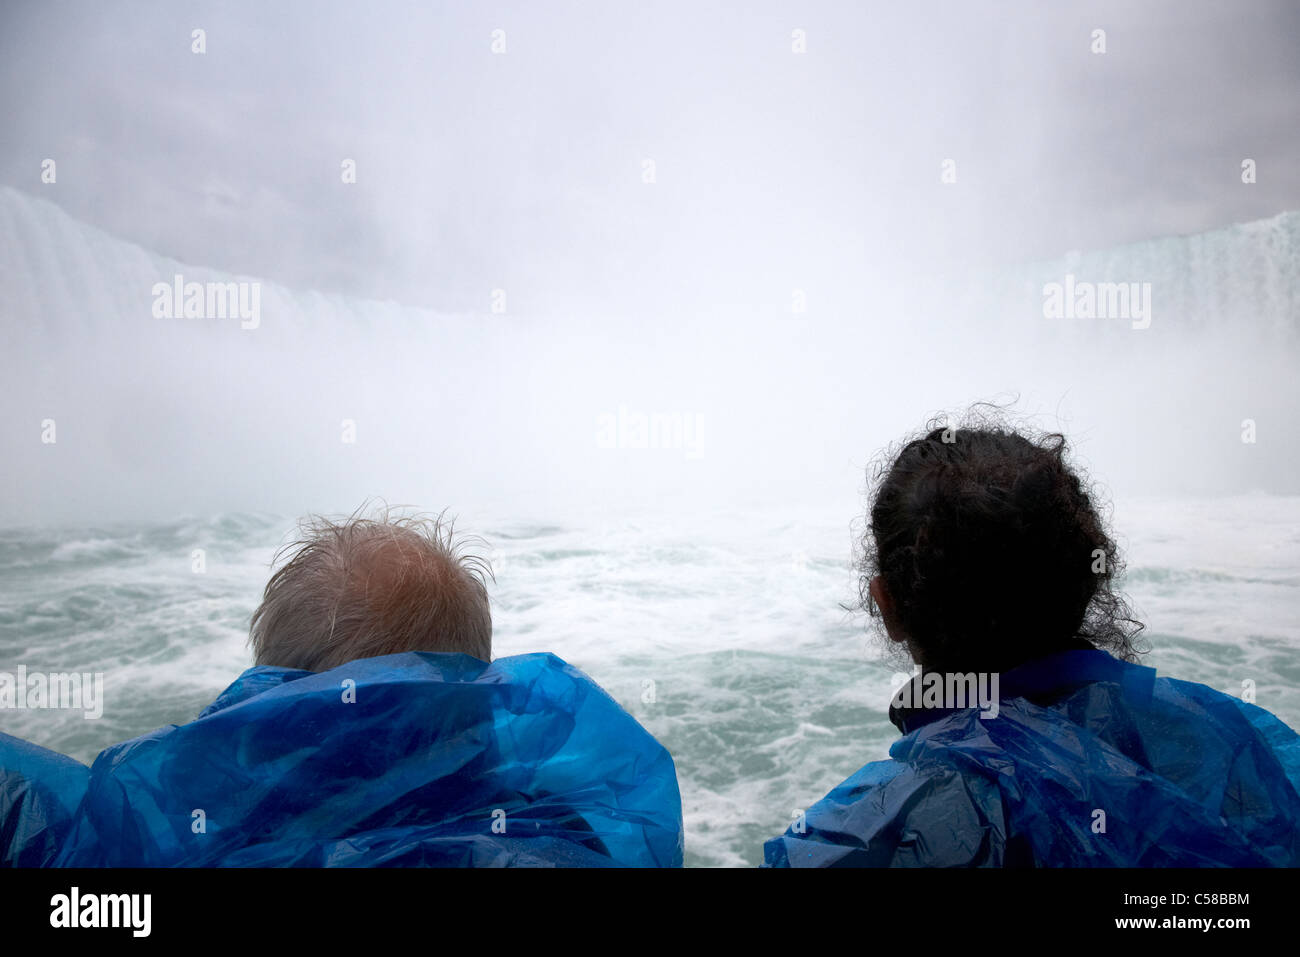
x,y
39,793
410,759
1089,762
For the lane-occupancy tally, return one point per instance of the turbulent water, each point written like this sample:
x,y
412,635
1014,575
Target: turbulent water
x,y
728,642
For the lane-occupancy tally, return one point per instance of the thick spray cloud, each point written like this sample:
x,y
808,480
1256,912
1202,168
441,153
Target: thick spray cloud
x,y
766,239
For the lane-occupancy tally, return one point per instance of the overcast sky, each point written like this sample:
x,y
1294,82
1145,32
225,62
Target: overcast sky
x,y
525,169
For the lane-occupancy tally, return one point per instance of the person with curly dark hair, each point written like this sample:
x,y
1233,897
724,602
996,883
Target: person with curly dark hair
x,y
987,548
987,558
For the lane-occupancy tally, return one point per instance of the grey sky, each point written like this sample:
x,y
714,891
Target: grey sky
x,y
524,170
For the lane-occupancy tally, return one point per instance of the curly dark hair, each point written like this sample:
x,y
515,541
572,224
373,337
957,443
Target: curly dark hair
x,y
991,548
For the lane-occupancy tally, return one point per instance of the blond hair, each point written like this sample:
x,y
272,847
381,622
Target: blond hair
x,y
372,586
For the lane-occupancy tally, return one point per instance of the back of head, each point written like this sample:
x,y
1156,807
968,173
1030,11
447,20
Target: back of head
x,y
992,551
367,587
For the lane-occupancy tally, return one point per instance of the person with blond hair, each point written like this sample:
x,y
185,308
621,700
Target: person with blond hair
x,y
375,729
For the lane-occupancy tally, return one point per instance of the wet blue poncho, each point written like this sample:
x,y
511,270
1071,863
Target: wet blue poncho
x,y
410,759
39,793
1089,762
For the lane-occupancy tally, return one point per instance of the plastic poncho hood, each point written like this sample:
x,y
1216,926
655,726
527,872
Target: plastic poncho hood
x,y
1088,761
409,759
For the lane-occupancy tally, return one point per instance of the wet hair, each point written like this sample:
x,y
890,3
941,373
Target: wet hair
x,y
372,586
992,549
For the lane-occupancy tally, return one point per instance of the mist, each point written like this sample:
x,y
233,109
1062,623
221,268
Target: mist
x,y
601,260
